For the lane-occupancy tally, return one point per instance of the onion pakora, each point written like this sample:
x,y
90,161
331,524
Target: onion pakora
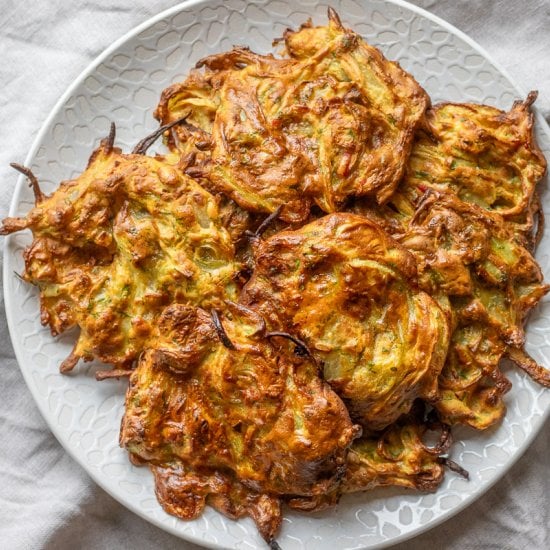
x,y
398,456
235,403
484,155
348,290
333,119
114,246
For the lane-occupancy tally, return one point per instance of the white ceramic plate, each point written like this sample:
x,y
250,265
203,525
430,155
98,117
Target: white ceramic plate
x,y
123,85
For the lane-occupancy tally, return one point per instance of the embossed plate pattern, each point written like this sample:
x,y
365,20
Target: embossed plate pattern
x,y
123,85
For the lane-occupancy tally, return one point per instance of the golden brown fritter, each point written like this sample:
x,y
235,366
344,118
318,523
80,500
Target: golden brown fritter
x,y
348,290
484,155
471,384
335,119
463,250
398,456
226,400
113,247
184,493
196,99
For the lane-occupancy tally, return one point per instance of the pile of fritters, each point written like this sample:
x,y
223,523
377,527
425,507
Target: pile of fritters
x,y
321,269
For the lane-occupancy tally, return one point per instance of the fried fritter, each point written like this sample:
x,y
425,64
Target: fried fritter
x,y
210,403
471,384
113,247
463,250
398,457
348,290
484,155
184,493
335,119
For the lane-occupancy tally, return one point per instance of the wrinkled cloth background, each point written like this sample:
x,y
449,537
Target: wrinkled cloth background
x,y
47,501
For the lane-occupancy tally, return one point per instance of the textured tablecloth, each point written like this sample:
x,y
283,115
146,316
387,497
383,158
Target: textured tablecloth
x,y
46,499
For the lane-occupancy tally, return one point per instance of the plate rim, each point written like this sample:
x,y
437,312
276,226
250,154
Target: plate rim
x,y
541,126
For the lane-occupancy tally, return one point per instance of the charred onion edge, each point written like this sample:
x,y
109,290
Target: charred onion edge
x,y
70,362
33,181
445,439
265,224
268,221
301,348
527,364
146,142
454,467
334,17
194,172
109,374
222,335
109,141
187,160
539,215
203,145
530,99
434,423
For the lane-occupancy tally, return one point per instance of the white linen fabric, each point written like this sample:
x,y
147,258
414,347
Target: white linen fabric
x,y
46,500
